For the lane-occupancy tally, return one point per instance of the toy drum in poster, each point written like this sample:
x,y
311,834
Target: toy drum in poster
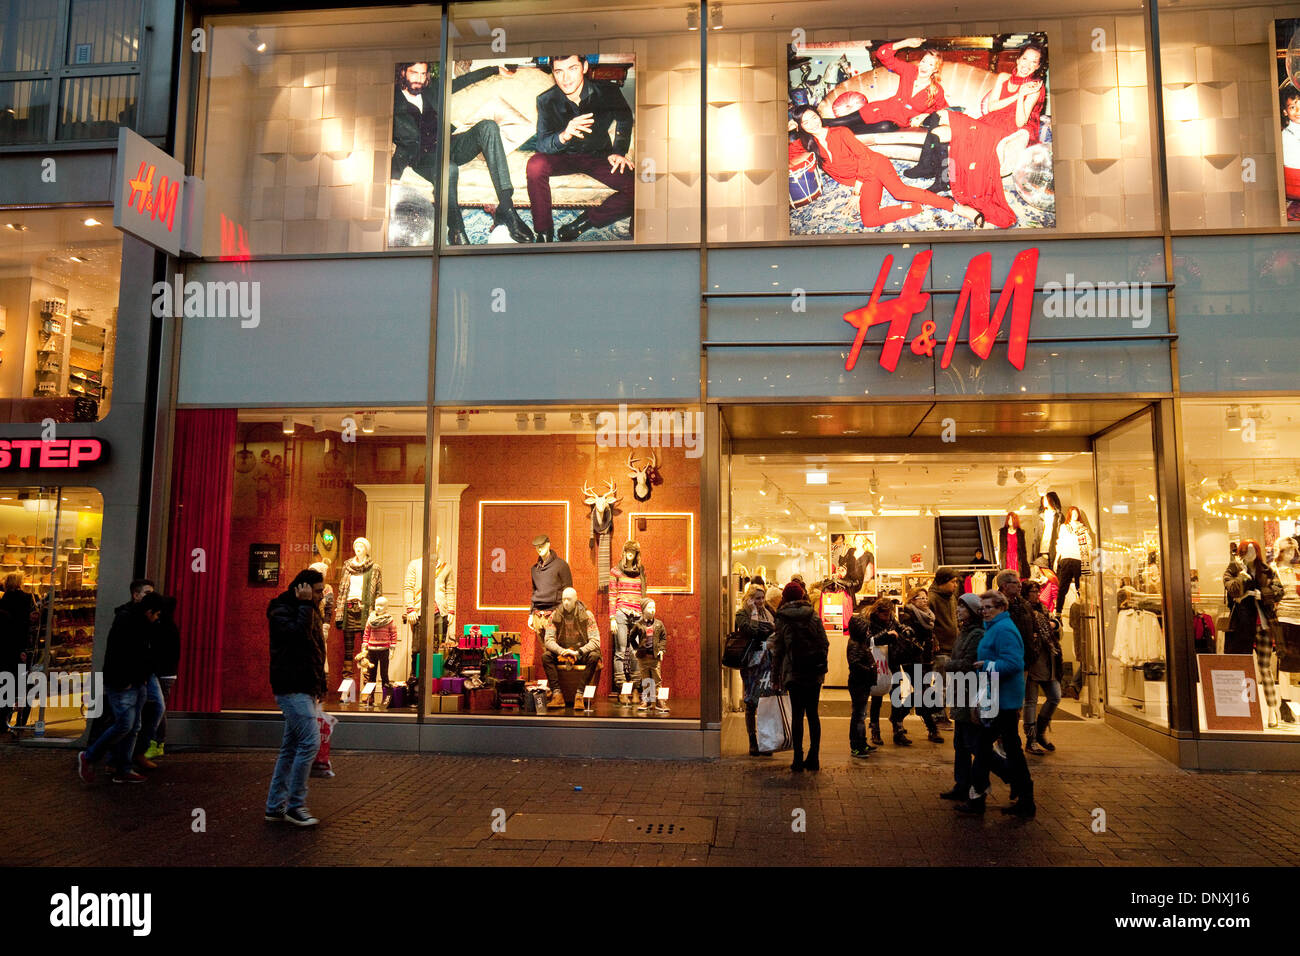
x,y
805,180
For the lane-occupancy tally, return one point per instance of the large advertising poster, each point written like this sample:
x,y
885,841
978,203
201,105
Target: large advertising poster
x,y
920,134
540,151
413,172
1287,35
853,563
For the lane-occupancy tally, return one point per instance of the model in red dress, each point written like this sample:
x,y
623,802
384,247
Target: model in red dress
x,y
919,93
870,175
1011,109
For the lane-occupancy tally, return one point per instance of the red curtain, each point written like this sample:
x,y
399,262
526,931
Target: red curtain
x,y
203,474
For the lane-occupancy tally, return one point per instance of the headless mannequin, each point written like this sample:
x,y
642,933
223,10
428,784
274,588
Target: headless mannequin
x,y
1288,614
444,602
359,584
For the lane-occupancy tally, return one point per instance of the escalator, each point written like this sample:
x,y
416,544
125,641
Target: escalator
x,y
958,538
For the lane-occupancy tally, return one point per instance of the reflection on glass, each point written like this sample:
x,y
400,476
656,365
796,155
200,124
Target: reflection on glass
x,y
24,111
1132,588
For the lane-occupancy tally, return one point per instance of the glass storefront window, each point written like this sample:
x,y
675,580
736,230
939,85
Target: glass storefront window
x,y
103,31
616,539
59,279
1126,565
1078,160
1243,493
297,134
50,543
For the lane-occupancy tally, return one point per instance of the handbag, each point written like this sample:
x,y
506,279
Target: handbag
x,y
735,650
884,678
772,723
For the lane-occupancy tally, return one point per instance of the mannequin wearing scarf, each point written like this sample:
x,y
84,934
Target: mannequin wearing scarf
x,y
360,584
380,637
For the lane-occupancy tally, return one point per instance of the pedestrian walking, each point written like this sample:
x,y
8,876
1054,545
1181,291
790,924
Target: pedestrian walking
x,y
298,682
164,658
862,677
917,616
799,648
885,631
943,603
1043,671
966,721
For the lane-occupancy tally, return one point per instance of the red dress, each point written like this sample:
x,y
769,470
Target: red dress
x,y
851,162
975,171
907,101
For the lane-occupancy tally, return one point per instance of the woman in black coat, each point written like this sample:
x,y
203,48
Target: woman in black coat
x,y
885,631
917,616
799,647
755,621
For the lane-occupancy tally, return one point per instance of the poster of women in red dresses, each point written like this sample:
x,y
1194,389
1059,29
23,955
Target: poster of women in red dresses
x,y
920,134
1287,34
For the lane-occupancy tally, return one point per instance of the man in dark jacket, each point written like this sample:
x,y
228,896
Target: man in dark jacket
x,y
415,144
943,602
298,682
573,121
1022,615
126,676
164,657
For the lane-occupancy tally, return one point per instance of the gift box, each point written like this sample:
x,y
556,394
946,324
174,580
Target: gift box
x,y
396,696
435,685
477,636
481,698
453,685
446,704
505,668
435,665
510,693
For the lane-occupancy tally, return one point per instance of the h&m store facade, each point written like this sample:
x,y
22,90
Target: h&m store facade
x,y
421,393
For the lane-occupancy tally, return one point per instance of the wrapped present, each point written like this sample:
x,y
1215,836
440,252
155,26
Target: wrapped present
x,y
453,685
396,696
505,668
448,704
481,698
477,636
435,664
435,685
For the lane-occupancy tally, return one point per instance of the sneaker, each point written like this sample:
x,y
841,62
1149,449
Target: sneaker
x,y
660,707
322,772
153,750
300,817
642,707
128,776
860,753
1033,748
84,769
274,816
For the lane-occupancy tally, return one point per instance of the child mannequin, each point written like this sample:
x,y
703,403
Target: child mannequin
x,y
380,638
649,653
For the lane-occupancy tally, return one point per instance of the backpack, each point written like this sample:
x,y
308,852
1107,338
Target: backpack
x,y
807,651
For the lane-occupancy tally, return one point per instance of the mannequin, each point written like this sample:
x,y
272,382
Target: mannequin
x,y
1012,551
627,589
359,585
1253,593
551,575
444,602
649,654
379,640
1073,550
570,634
1047,526
1288,606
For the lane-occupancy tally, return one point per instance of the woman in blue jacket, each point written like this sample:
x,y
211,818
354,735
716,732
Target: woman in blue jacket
x,y
1002,651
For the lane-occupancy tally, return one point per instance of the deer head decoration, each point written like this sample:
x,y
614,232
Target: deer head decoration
x,y
645,477
602,507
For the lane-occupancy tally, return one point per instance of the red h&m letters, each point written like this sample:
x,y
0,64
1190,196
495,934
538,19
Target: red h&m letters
x,y
1017,292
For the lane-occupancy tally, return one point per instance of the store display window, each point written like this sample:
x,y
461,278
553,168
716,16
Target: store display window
x,y
319,131
1243,505
1124,555
1038,124
50,546
567,554
58,313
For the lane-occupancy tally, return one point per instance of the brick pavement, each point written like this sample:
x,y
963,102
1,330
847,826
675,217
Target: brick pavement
x,y
385,809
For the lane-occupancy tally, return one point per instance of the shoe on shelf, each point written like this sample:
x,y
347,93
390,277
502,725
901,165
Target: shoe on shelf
x,y
128,776
84,768
642,707
555,700
300,817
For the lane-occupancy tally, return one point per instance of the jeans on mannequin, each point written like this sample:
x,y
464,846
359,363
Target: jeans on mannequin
x,y
620,648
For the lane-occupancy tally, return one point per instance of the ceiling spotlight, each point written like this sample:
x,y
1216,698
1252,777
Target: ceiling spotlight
x,y
1019,475
539,421
256,41
368,423
91,221
1234,418
286,424
811,526
462,421
715,17
76,259
521,421
318,423
816,477
1002,476
576,419
692,18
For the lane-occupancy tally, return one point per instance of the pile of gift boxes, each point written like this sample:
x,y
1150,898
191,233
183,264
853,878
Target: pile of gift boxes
x,y
487,677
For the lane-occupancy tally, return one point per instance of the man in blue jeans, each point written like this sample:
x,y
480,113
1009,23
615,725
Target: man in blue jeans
x,y
127,669
298,682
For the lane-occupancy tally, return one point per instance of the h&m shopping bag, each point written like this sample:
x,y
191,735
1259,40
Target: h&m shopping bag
x,y
772,723
884,679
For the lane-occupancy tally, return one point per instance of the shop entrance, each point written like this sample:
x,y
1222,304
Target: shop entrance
x,y
869,501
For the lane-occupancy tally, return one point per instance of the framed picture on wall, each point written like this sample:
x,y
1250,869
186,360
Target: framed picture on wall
x,y
503,579
667,541
1286,73
920,134
325,546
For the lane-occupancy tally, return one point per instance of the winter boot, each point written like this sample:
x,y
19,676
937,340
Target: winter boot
x,y
900,736
1031,742
876,739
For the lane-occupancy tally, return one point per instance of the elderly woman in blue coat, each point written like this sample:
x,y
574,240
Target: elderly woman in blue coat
x,y
1002,654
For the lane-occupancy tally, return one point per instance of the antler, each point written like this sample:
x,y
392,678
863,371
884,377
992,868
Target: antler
x,y
588,491
611,494
631,463
654,458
